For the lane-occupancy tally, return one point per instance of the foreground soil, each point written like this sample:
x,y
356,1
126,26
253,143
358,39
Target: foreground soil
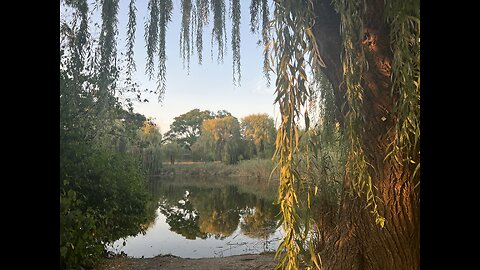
x,y
168,262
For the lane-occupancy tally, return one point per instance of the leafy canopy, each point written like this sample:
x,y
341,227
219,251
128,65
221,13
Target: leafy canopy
x,y
260,129
186,128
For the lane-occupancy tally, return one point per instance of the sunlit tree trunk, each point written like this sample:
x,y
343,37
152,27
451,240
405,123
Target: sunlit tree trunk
x,y
354,241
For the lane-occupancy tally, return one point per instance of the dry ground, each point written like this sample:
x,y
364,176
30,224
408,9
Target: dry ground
x,y
168,262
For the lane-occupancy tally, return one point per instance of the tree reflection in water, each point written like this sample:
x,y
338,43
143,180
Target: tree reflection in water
x,y
182,218
260,221
203,212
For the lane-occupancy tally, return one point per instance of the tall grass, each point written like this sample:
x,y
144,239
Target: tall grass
x,y
260,169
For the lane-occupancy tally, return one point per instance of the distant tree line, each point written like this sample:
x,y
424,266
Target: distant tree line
x,y
208,136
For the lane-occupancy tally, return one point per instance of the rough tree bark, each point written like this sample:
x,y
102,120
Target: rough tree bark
x,y
355,241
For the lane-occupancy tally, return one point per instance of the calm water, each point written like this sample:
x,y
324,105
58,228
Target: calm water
x,y
199,218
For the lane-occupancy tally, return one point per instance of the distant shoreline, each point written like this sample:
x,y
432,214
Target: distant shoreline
x,y
255,168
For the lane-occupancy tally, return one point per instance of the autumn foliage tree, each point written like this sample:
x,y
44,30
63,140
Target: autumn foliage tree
x,y
150,147
222,135
260,129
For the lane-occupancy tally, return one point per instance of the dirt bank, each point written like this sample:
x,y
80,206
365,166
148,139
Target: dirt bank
x,y
168,262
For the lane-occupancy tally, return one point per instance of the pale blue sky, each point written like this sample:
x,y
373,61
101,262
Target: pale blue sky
x,y
208,86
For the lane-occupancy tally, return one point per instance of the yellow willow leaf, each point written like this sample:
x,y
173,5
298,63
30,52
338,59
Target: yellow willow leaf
x,y
380,221
308,199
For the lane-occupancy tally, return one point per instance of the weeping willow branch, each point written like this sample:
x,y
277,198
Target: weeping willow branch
x,y
254,14
202,20
82,34
166,7
327,107
78,38
235,16
107,40
218,30
160,13
354,65
108,48
294,51
151,36
185,49
265,39
404,17
259,8
131,27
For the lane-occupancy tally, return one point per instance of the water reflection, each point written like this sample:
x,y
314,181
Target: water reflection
x,y
182,218
260,221
203,212
212,217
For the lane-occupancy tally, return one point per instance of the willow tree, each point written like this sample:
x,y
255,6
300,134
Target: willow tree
x,y
260,130
369,53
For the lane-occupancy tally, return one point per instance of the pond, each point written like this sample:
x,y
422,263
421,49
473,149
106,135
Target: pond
x,y
199,218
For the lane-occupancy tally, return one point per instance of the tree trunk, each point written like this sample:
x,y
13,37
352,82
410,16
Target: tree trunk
x,y
355,241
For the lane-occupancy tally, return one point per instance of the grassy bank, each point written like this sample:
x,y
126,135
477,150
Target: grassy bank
x,y
257,168
252,176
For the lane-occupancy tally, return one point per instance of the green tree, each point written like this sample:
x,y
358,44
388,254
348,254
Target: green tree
x,y
149,133
260,129
224,134
369,53
102,187
222,113
185,128
128,125
150,149
171,151
203,149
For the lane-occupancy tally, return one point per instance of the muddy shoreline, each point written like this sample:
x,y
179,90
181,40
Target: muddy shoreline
x,y
169,262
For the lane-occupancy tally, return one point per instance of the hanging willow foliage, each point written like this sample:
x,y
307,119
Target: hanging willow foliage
x,y
254,12
404,18
354,64
235,16
151,36
166,8
160,13
108,42
202,20
185,46
218,31
294,51
131,27
260,8
78,37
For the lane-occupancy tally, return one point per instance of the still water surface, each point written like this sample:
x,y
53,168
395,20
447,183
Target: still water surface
x,y
198,218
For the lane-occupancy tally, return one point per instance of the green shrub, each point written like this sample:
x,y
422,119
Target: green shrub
x,y
79,246
103,198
